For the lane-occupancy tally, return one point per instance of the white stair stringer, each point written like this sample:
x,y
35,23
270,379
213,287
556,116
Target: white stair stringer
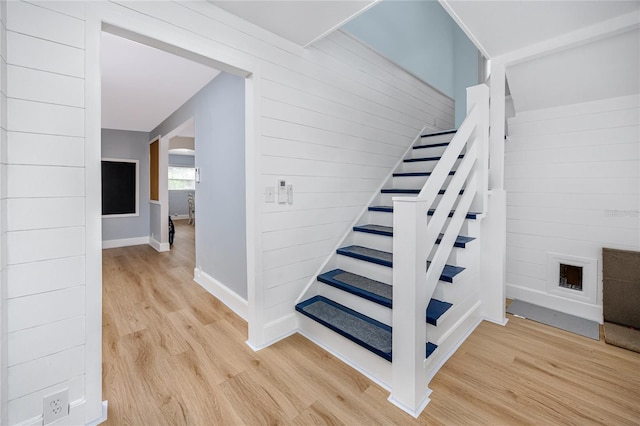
x,y
457,334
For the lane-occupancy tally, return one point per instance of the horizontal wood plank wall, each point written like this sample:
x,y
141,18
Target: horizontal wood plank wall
x,y
573,180
334,118
44,222
3,215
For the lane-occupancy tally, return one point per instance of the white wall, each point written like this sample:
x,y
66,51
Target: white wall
x,y
331,119
573,179
3,215
45,208
124,144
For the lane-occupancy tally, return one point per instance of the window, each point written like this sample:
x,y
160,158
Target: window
x,y
182,178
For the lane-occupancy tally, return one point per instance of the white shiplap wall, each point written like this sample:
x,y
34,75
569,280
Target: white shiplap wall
x,y
573,179
45,226
331,119
3,215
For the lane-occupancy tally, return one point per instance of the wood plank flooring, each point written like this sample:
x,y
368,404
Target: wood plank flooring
x,y
175,355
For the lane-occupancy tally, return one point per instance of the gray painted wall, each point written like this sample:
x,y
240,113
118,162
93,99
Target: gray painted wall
x,y
132,146
178,199
218,110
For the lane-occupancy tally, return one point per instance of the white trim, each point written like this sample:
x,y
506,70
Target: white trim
x,y
234,302
421,407
103,418
595,32
125,242
469,315
342,23
447,7
179,216
160,247
567,306
93,210
589,266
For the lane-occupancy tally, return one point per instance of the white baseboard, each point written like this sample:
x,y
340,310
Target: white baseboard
x,y
160,247
125,242
103,417
234,302
557,303
179,216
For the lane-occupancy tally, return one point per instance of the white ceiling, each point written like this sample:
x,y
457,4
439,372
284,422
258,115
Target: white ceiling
x,y
301,22
142,86
501,27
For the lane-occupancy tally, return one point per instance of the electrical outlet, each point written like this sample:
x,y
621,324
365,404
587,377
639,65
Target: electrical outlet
x,y
55,406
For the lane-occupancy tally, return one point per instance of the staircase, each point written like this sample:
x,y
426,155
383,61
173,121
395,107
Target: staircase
x,y
352,307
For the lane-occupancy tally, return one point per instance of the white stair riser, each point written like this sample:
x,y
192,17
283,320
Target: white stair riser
x,y
435,139
379,218
435,151
374,241
457,257
357,303
366,269
421,166
414,182
453,292
383,273
387,199
470,227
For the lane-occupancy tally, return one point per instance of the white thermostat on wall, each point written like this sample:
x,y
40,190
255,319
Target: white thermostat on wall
x,y
282,191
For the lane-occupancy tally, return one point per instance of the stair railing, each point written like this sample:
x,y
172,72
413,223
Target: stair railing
x,y
414,241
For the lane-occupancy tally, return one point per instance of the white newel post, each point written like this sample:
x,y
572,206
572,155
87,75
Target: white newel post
x,y
410,298
494,227
479,96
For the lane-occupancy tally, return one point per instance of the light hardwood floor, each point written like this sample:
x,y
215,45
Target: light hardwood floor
x,y
174,355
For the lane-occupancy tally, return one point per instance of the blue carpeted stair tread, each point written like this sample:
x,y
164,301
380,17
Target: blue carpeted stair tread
x,y
370,255
364,287
386,259
389,209
436,309
360,329
366,332
449,272
387,231
461,241
433,145
416,160
440,133
376,291
410,191
418,174
431,347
